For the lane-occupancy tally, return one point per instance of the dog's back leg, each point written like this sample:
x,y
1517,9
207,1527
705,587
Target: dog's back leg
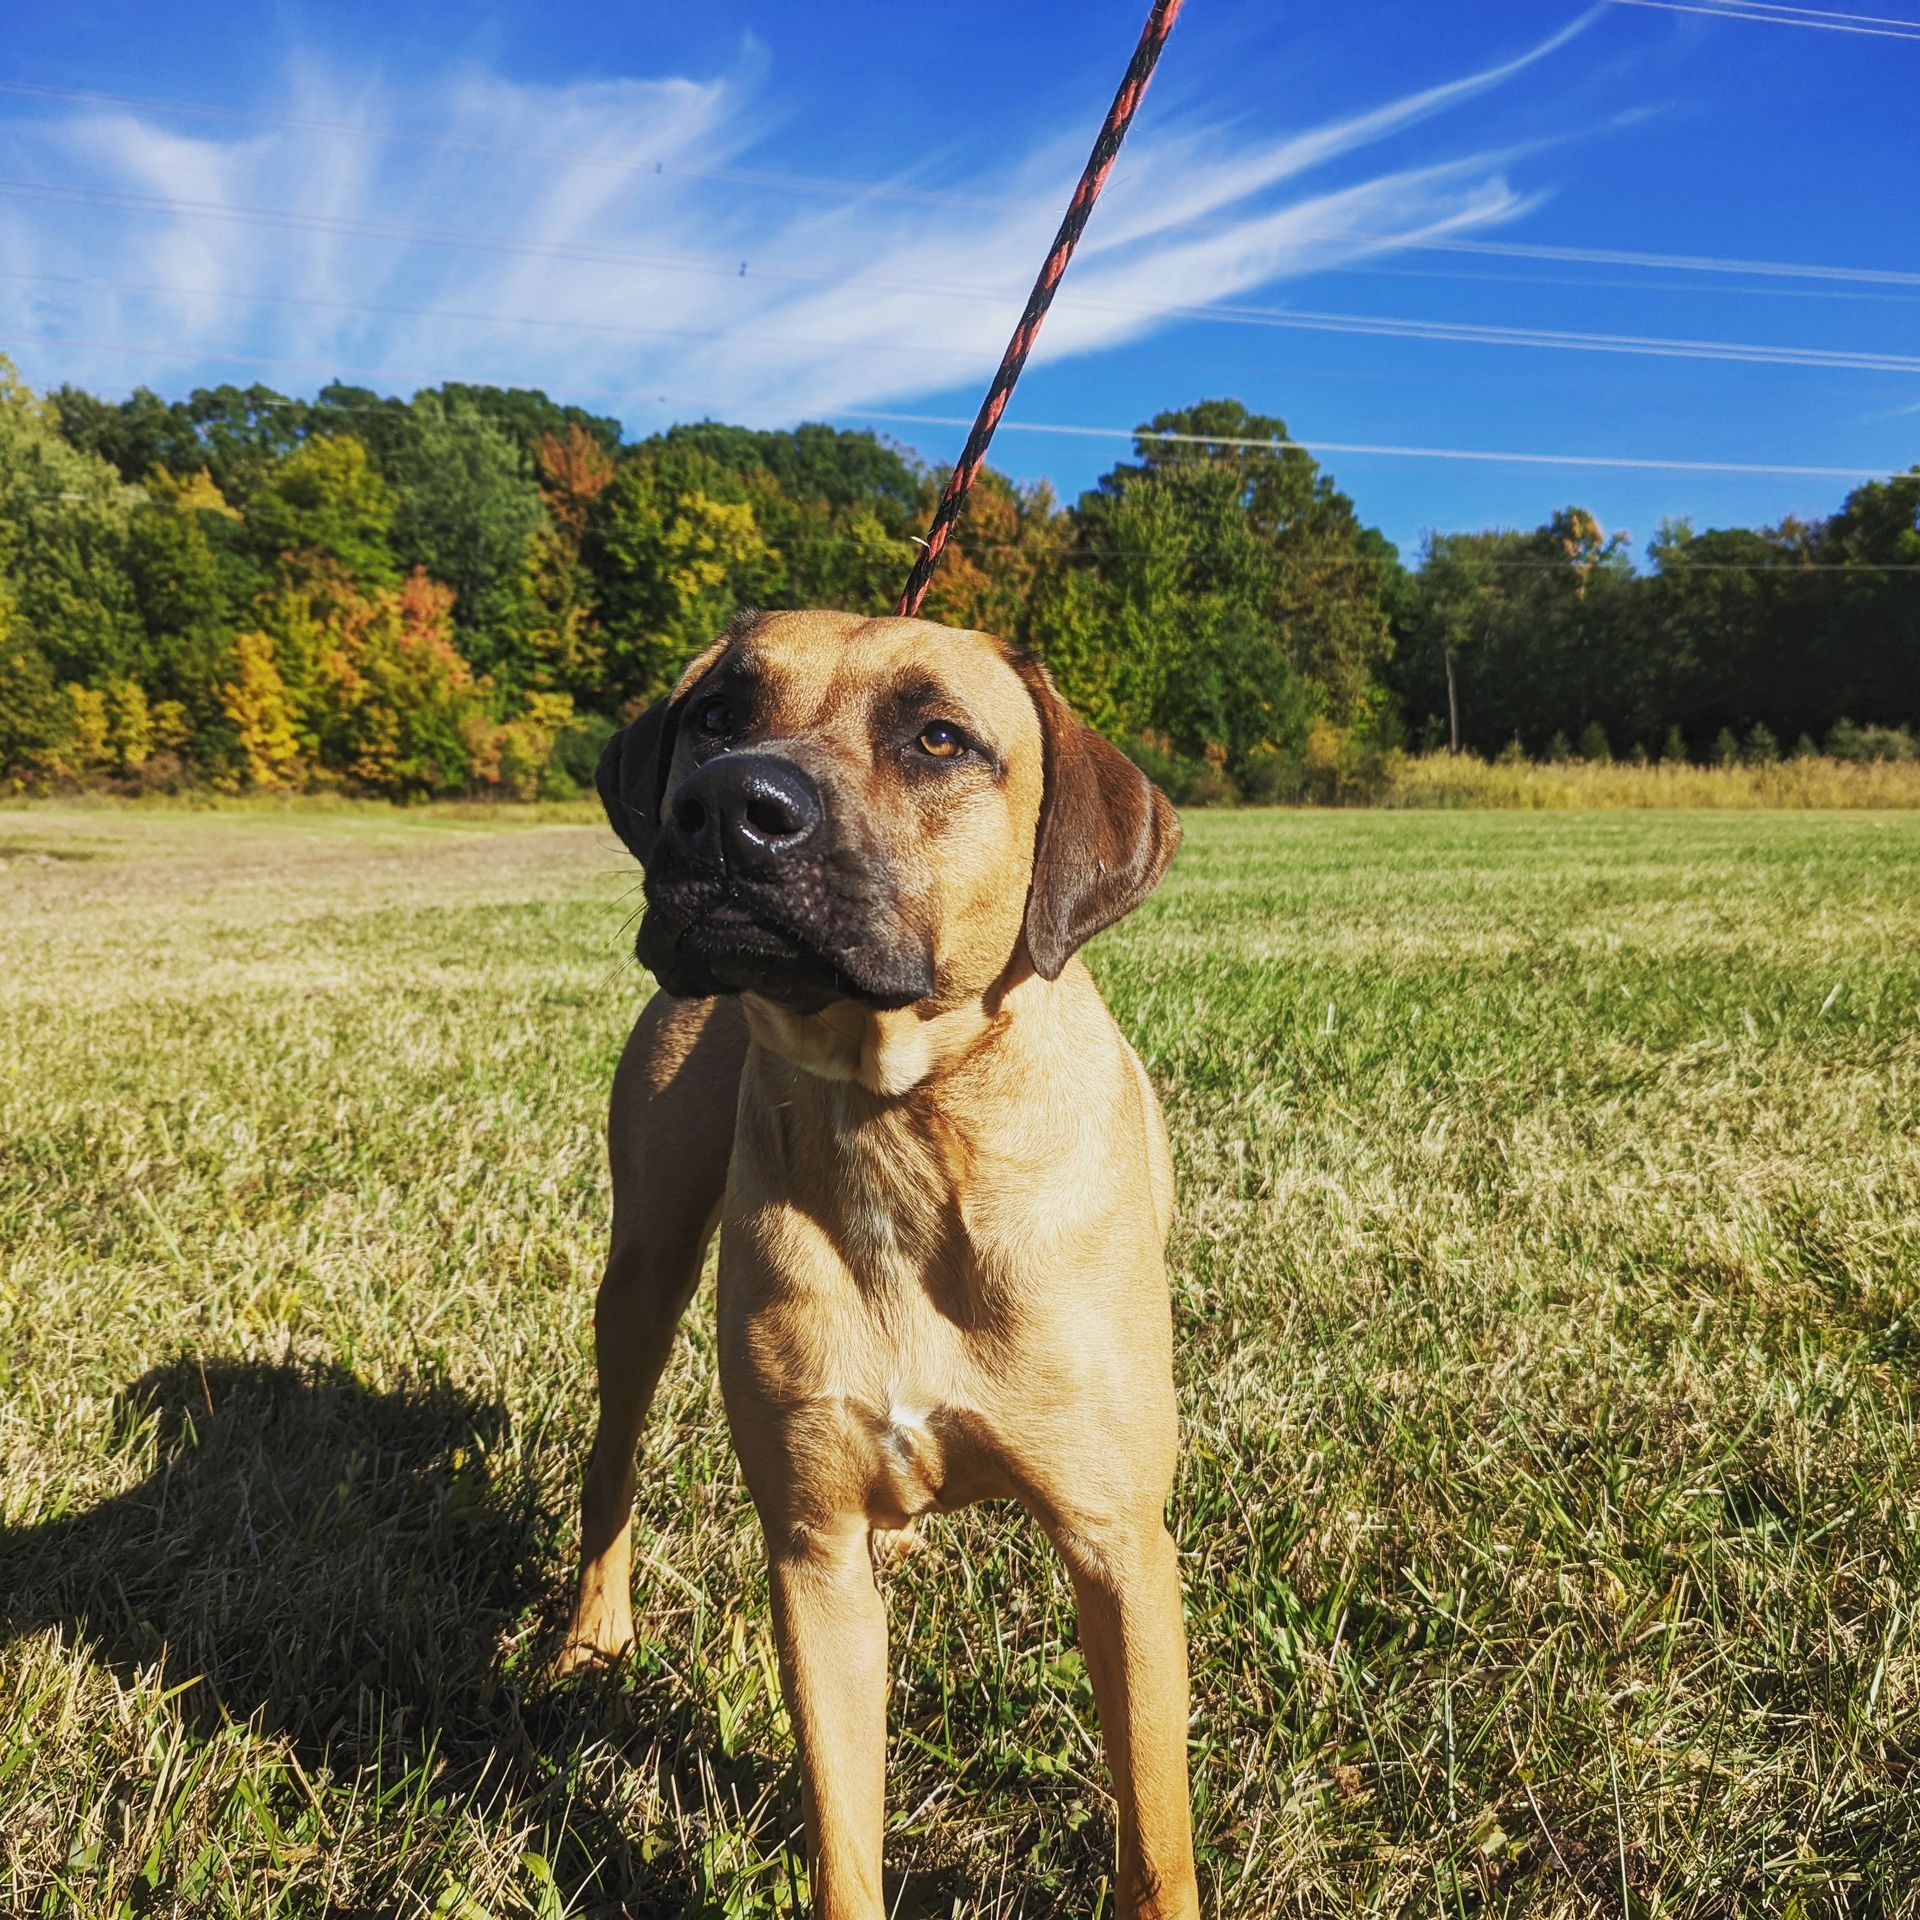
x,y
669,1137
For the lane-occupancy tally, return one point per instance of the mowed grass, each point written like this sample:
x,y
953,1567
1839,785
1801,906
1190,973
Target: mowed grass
x,y
1546,1284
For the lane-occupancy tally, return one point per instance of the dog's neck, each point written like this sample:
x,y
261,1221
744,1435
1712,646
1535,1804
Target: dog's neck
x,y
887,1052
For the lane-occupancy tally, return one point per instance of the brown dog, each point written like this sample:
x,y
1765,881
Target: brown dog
x,y
941,1176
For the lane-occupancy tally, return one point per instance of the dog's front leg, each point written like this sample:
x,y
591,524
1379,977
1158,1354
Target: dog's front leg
x,y
1126,1581
831,1626
669,1135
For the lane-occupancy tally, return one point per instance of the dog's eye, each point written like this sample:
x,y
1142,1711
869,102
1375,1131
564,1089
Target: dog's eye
x,y
941,742
715,716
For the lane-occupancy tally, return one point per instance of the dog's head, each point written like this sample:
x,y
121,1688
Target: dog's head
x,y
829,807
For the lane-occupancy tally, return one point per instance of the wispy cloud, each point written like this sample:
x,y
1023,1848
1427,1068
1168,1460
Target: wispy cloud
x,y
576,237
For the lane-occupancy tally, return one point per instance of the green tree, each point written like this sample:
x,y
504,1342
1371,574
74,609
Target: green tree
x,y
134,435
1865,641
1458,598
327,501
466,509
524,415
63,544
35,717
1157,625
1218,594
840,508
195,579
1328,588
245,434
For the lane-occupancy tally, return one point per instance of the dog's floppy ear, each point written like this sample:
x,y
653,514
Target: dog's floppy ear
x,y
632,775
1106,833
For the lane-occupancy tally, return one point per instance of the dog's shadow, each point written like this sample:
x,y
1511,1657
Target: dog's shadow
x,y
340,1566
344,1568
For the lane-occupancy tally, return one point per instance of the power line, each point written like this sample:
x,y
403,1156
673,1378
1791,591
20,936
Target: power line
x,y
1362,449
1588,284
1675,262
1472,333
1371,449
1824,13
1218,312
1822,22
859,190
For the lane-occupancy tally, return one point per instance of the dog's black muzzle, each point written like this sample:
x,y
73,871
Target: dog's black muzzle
x,y
750,888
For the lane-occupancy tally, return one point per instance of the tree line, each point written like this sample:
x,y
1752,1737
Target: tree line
x,y
464,591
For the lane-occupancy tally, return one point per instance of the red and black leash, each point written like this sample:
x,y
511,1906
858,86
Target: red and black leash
x,y
1153,36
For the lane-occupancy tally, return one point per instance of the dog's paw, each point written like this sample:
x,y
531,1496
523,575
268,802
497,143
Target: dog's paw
x,y
889,1545
588,1650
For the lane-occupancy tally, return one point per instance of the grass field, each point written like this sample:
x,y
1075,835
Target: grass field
x,y
1546,1281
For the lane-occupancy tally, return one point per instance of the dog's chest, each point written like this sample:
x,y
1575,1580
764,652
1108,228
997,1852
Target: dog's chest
x,y
898,1216
867,1324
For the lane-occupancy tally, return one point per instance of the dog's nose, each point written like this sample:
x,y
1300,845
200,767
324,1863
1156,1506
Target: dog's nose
x,y
746,810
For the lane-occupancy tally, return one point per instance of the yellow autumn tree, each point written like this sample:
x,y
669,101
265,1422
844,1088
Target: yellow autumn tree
x,y
87,742
129,723
195,492
255,701
526,743
678,549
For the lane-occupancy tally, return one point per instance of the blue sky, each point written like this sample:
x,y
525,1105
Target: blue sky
x,y
578,188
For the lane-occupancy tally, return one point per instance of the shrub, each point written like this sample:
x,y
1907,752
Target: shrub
x,y
1847,741
1843,741
162,771
1594,745
1726,749
1209,788
1559,750
1268,777
1673,751
1326,762
1888,743
576,753
1173,773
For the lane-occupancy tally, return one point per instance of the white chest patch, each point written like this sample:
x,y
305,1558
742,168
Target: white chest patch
x,y
906,1429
